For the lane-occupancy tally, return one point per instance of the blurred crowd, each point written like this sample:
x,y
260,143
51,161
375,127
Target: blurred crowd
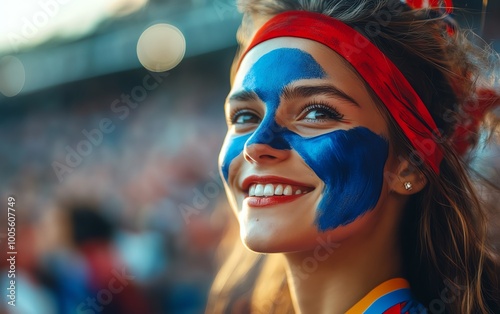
x,y
133,227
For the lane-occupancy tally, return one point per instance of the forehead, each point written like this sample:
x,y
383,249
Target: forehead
x,y
333,65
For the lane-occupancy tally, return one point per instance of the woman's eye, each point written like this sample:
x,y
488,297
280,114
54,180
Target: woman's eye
x,y
245,117
317,114
322,112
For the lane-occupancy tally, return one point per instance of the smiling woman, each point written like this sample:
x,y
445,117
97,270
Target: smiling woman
x,y
351,151
338,137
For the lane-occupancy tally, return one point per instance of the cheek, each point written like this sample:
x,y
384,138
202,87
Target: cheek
x,y
351,164
232,148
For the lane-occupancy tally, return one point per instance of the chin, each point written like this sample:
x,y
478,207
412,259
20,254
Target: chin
x,y
260,247
259,241
277,240
267,246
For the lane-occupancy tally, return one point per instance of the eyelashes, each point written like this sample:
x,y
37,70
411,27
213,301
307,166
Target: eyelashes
x,y
314,111
323,110
243,116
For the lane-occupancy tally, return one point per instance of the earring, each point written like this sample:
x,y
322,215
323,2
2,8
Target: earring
x,y
408,186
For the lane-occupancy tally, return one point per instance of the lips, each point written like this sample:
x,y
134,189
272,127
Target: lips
x,y
270,190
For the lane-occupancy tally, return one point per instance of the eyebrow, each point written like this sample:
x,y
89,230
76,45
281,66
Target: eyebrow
x,y
243,96
290,92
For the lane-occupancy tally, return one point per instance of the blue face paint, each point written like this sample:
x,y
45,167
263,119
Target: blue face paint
x,y
350,162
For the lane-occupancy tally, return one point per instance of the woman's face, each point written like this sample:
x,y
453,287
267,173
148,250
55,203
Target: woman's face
x,y
306,148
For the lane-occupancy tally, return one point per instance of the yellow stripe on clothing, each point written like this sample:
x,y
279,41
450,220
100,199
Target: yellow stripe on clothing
x,y
379,291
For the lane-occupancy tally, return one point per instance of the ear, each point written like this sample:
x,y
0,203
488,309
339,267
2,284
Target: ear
x,y
407,180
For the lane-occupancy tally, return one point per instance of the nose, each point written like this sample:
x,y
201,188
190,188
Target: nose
x,y
258,153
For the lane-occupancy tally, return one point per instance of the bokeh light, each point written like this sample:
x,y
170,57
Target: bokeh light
x,y
161,47
12,76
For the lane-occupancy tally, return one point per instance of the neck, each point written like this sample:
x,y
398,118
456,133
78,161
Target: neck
x,y
333,277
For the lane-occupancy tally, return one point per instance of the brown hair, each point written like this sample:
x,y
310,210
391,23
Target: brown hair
x,y
446,253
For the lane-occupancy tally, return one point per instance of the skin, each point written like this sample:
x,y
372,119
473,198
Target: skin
x,y
357,215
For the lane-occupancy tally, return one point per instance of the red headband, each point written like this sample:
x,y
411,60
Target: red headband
x,y
385,79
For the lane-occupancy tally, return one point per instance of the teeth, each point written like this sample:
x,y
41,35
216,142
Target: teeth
x,y
269,190
279,190
259,190
252,190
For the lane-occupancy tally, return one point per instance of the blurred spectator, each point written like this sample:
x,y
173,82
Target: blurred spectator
x,y
88,276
